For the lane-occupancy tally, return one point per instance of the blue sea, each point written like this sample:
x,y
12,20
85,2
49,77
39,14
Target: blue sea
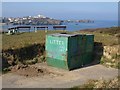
x,y
74,26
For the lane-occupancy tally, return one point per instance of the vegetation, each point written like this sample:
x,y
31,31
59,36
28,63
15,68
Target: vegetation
x,y
29,48
24,39
24,48
106,36
100,84
110,31
114,62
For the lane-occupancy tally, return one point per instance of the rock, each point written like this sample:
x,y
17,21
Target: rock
x,y
109,64
40,70
109,51
113,60
10,67
100,83
17,67
107,55
10,62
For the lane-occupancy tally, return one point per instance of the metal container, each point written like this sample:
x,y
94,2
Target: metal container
x,y
89,43
87,55
66,50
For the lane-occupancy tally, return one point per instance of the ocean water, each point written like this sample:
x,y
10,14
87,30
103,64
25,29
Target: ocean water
x,y
74,26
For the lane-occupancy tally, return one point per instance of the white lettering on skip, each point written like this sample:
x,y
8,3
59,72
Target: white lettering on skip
x,y
58,42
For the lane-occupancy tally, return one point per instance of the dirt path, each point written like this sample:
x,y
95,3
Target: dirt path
x,y
58,78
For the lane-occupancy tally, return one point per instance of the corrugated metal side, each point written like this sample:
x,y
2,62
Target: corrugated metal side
x,y
87,58
74,53
89,43
88,54
82,43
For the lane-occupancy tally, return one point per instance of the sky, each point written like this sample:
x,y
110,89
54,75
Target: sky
x,y
62,10
60,0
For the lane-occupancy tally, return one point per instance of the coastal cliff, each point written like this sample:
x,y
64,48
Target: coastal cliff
x,y
31,20
40,20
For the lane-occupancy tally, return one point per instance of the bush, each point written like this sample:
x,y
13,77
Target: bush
x,y
101,83
27,55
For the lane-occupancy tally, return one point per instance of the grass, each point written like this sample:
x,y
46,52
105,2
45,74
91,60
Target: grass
x,y
108,37
25,43
103,38
24,39
25,48
110,31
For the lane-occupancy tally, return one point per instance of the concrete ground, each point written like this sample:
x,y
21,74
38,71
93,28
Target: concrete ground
x,y
60,78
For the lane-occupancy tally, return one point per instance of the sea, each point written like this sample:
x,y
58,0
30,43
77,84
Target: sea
x,y
72,26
